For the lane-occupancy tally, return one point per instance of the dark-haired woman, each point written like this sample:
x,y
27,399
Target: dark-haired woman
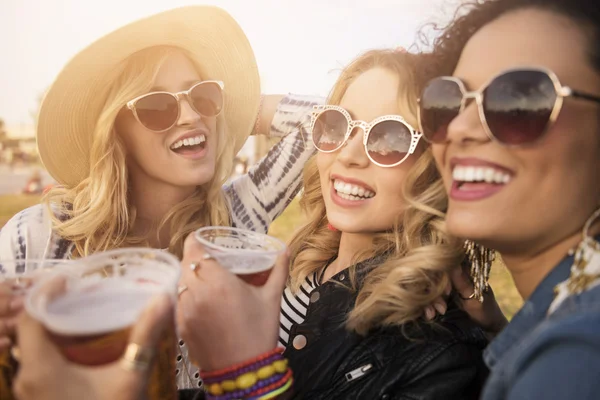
x,y
515,127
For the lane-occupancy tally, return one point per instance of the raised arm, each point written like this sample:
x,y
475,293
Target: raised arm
x,y
268,109
259,196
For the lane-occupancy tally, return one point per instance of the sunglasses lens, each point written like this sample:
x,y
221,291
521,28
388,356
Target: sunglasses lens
x,y
207,98
440,103
329,130
518,105
389,142
158,111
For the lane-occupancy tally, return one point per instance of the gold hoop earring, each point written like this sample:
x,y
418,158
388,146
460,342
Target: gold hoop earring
x,y
481,259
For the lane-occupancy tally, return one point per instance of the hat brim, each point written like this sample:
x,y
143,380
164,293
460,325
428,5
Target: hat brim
x,y
71,107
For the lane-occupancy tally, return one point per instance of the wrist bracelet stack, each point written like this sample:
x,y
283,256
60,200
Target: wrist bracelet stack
x,y
264,377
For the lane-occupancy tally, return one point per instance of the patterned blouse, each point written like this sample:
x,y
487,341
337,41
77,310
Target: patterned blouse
x,y
254,200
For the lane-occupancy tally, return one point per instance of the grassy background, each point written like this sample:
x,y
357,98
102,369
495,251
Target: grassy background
x,y
283,227
13,203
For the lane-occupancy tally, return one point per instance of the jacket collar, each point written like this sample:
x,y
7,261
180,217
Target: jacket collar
x,y
530,315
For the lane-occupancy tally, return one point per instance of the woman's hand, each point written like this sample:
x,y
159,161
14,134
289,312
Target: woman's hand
x,y
222,319
10,306
488,314
44,374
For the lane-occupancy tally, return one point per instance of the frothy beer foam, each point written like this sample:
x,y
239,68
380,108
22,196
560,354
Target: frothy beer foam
x,y
107,305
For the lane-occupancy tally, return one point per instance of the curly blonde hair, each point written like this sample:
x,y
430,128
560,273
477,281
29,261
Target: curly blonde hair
x,y
418,252
96,214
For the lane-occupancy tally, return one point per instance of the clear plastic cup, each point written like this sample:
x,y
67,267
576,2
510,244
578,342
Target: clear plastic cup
x,y
20,275
249,255
89,308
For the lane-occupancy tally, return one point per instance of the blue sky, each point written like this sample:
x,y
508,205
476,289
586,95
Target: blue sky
x,y
300,45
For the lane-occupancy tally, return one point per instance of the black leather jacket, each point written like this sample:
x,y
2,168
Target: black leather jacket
x,y
440,360
422,361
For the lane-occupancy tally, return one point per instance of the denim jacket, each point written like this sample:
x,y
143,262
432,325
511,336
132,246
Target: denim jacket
x,y
548,356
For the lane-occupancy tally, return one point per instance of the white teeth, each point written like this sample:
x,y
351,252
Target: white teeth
x,y
349,197
480,174
189,141
351,192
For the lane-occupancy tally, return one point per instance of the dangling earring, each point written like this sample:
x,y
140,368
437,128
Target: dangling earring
x,y
585,271
481,259
331,227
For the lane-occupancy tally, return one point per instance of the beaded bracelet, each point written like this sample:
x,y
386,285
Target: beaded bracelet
x,y
249,379
219,373
277,392
251,368
263,377
274,386
262,388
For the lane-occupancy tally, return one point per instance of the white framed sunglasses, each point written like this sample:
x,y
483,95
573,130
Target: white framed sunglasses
x,y
388,140
160,111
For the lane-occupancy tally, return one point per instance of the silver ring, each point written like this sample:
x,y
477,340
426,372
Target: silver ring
x,y
181,289
207,257
194,266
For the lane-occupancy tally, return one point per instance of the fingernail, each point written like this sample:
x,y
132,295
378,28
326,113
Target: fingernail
x,y
16,304
441,308
429,313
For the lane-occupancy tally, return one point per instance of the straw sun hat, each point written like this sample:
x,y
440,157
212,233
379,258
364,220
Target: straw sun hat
x,y
71,107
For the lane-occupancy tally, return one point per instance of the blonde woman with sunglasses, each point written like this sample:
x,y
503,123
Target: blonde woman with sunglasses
x,y
140,130
370,258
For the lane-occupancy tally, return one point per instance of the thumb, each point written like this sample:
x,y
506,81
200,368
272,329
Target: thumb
x,y
278,277
153,321
461,281
192,249
147,333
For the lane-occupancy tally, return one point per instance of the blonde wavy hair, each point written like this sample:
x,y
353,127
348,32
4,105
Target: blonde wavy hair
x,y
96,215
418,252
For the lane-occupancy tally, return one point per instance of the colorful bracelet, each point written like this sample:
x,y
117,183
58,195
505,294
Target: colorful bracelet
x,y
263,377
258,367
261,388
247,380
219,373
277,392
274,386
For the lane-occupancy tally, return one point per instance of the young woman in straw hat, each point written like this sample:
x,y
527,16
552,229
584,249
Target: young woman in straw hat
x,y
140,129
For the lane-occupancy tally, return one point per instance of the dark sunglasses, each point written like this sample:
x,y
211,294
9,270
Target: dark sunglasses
x,y
159,111
388,140
516,107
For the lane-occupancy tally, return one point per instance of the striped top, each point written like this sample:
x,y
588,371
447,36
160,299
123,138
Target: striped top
x,y
294,307
254,201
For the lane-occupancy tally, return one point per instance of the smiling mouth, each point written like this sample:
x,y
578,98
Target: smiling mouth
x,y
349,191
189,145
473,178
